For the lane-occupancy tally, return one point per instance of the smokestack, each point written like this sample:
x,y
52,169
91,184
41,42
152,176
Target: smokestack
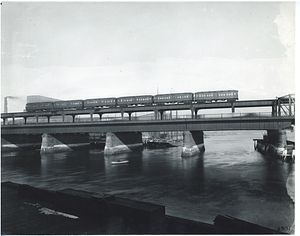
x,y
5,105
5,102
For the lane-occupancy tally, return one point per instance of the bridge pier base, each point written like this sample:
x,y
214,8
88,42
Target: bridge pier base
x,y
193,143
274,143
52,143
14,142
122,142
277,141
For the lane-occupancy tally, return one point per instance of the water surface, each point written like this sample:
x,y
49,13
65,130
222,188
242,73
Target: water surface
x,y
230,177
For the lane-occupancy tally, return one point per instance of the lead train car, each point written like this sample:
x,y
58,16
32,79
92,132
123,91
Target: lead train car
x,y
39,106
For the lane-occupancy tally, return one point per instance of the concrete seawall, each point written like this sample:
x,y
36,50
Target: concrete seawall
x,y
29,210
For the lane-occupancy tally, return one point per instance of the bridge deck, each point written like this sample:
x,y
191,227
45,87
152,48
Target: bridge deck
x,y
196,106
209,124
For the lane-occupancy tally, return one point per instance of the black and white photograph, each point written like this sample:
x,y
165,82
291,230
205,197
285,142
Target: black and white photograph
x,y
159,117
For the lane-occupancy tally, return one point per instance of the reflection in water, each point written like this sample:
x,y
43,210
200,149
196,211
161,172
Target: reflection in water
x,y
193,173
228,178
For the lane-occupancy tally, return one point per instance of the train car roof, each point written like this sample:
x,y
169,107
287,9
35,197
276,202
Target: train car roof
x,y
37,102
99,98
172,94
78,100
136,96
217,91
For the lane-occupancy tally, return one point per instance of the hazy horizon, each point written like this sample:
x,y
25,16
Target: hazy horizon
x,y
74,50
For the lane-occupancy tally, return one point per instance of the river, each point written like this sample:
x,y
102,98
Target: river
x,y
230,177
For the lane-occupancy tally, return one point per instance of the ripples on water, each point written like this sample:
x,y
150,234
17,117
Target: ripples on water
x,y
228,178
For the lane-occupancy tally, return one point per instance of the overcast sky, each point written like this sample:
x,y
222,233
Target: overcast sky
x,y
109,49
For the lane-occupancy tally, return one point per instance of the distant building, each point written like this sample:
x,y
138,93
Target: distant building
x,y
38,98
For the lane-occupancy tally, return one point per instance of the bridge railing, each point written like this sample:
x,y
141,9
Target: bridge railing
x,y
20,121
223,116
235,115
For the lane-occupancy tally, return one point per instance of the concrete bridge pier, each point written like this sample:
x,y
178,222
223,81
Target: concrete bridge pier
x,y
193,143
232,108
156,115
63,116
277,141
48,118
129,115
4,120
52,143
161,114
122,142
194,113
274,109
25,119
273,143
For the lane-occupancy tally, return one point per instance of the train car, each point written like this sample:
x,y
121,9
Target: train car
x,y
183,97
205,96
125,101
228,95
144,100
173,98
214,96
30,107
100,102
163,98
135,100
68,105
39,106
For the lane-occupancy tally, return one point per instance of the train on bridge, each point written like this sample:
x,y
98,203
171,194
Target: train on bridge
x,y
159,99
